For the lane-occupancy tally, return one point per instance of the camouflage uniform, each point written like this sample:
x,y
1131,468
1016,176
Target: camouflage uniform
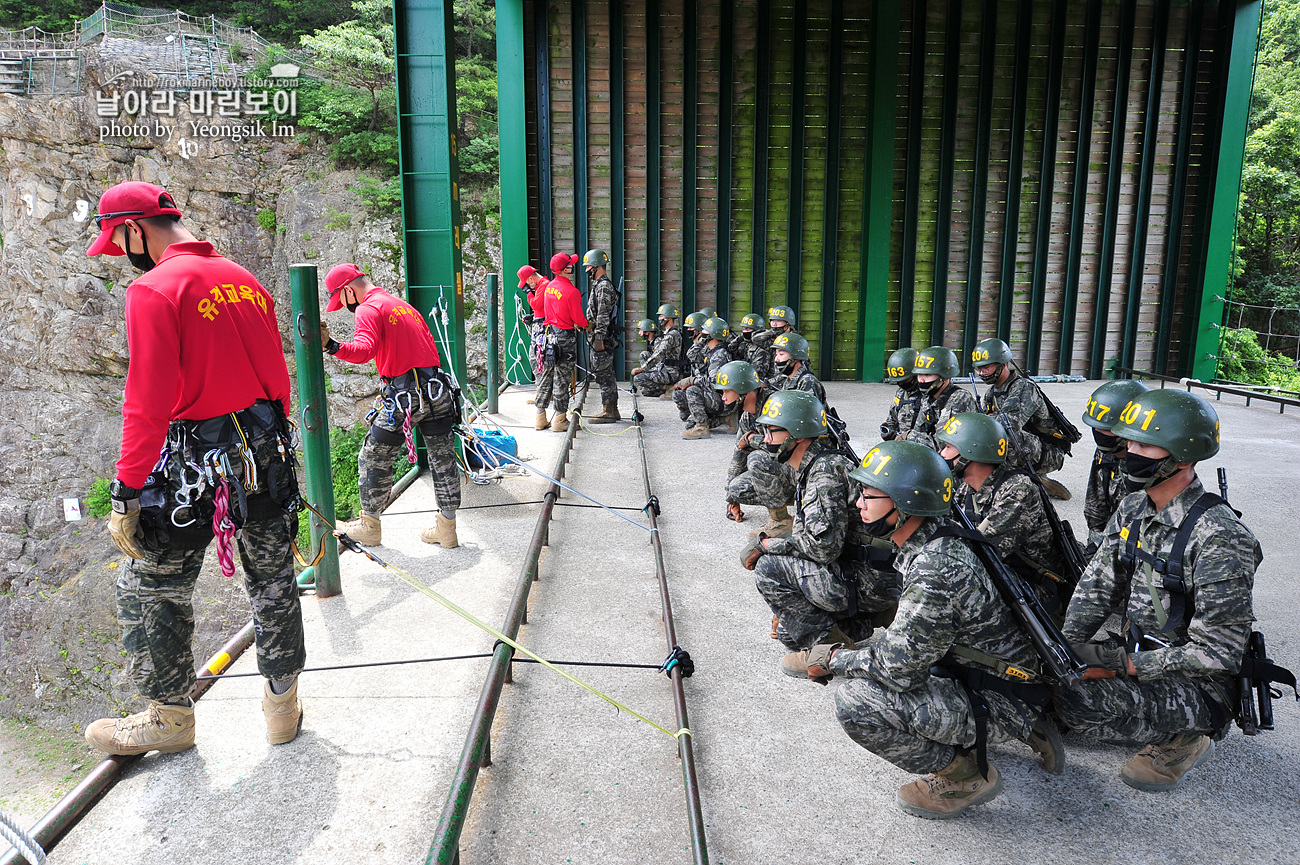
x,y
383,444
805,578
156,610
1188,687
1105,490
764,482
890,703
1021,407
902,414
700,403
746,428
554,381
659,370
1008,509
932,413
762,341
802,379
602,307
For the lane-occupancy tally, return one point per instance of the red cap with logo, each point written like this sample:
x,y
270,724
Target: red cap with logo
x,y
133,199
524,272
339,276
561,260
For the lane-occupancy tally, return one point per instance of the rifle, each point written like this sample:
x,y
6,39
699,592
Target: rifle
x,y
1065,431
1055,653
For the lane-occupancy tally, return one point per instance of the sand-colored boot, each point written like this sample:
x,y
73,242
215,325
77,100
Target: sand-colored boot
x,y
951,790
283,713
779,523
560,423
1055,488
1162,767
607,415
160,727
443,533
1045,741
542,422
795,664
365,530
698,431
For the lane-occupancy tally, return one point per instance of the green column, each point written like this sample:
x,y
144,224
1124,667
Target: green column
x,y
1227,188
878,200
313,423
512,144
430,173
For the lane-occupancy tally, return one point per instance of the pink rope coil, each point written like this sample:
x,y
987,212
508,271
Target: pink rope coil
x,y
410,439
223,528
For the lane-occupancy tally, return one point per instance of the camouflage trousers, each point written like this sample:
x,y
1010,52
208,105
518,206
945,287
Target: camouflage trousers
x,y
602,369
1146,712
701,405
156,611
553,383
383,444
653,382
920,730
739,458
1046,458
809,600
765,482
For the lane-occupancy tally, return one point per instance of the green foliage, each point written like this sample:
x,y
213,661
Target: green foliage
x,y
266,219
476,87
1243,359
336,220
357,54
380,198
98,501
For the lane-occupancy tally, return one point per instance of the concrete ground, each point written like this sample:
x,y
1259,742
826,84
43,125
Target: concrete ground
x,y
575,781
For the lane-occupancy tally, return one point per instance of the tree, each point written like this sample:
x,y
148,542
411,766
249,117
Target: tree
x,y
358,54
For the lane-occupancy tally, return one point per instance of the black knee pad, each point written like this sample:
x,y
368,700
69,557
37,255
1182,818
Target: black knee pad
x,y
381,436
434,427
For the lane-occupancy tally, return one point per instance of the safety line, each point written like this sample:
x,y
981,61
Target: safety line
x,y
511,504
447,658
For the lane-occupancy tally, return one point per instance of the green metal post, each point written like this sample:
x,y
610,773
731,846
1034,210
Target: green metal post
x,y
617,169
690,143
794,218
542,53
494,343
1227,187
578,20
878,197
762,137
912,174
726,73
512,145
1046,188
653,90
429,169
1015,168
947,170
313,418
831,210
979,195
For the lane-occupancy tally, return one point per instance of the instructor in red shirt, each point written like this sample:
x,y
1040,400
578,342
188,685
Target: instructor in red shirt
x,y
207,452
563,303
416,394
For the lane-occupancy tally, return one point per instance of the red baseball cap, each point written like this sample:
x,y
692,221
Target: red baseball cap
x,y
561,260
524,272
133,199
339,276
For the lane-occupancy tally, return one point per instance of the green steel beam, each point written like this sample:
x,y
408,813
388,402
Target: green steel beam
x,y
1015,167
980,181
794,217
762,137
878,197
1146,172
653,92
617,170
542,60
429,169
1114,177
1046,188
690,143
726,76
912,174
512,145
1169,281
831,209
1079,191
947,170
578,22
1227,187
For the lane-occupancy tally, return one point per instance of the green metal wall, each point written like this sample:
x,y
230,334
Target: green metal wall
x,y
1061,174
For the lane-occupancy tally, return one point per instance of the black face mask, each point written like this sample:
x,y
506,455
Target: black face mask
x,y
747,335
910,385
992,377
958,464
140,260
1107,443
1143,473
786,449
787,368
881,528
352,307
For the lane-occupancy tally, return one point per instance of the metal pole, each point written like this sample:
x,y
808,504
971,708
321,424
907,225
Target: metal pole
x,y
314,422
685,745
67,811
445,849
494,340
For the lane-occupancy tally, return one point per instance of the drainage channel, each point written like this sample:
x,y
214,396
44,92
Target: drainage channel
x,y
477,753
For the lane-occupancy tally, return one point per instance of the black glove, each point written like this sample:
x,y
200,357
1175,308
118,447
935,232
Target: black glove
x,y
819,662
888,432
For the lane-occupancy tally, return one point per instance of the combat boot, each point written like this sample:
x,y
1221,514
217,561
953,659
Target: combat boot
x,y
608,415
795,664
1055,488
443,532
541,422
668,394
951,790
731,423
365,530
1162,767
1045,741
283,713
532,400
161,727
699,431
560,423
779,523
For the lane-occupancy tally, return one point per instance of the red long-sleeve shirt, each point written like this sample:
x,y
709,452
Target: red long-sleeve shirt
x,y
392,332
564,304
537,300
203,341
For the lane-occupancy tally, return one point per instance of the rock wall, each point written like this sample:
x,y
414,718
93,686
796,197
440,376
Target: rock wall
x,y
64,355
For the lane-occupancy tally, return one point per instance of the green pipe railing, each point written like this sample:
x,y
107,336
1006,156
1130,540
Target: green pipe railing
x,y
494,343
1046,187
979,195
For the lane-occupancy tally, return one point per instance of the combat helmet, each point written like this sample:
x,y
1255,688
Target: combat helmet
x,y
794,343
936,360
738,375
914,476
900,366
596,258
1108,401
647,325
754,320
716,328
667,310
1182,423
695,320
798,412
977,437
784,313
709,312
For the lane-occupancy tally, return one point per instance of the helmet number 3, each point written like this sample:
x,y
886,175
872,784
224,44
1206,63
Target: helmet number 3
x,y
947,489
